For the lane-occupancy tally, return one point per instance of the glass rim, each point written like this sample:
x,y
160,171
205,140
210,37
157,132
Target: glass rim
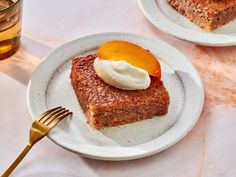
x,y
7,8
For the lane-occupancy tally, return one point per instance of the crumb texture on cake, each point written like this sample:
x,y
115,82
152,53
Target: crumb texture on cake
x,y
208,14
105,105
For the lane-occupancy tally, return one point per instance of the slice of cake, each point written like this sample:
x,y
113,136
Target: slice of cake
x,y
105,105
208,14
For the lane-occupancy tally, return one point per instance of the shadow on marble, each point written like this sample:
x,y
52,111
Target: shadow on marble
x,y
21,65
48,174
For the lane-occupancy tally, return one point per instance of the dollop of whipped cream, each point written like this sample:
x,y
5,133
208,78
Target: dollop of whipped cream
x,y
121,74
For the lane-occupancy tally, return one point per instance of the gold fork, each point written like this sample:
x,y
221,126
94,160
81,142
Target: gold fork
x,y
40,127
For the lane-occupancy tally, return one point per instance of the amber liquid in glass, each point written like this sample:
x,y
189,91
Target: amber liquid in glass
x,y
10,28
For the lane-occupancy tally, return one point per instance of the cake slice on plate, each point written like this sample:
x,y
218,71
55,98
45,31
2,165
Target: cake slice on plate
x,y
105,105
208,14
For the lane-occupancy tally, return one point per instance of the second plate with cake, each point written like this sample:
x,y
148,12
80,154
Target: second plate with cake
x,y
180,92
174,17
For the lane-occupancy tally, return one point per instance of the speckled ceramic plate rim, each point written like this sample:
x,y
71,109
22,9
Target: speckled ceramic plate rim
x,y
121,153
151,11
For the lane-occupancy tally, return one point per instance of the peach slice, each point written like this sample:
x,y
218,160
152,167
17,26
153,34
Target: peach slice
x,y
132,54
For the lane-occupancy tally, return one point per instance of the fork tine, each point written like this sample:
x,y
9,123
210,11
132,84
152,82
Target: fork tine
x,y
49,115
55,121
53,116
47,112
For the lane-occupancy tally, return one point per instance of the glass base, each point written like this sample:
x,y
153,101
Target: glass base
x,y
9,47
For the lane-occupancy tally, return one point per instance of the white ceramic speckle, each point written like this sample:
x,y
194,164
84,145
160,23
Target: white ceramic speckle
x,y
50,86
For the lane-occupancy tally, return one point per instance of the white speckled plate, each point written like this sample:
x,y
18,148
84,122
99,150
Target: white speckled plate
x,y
50,86
164,17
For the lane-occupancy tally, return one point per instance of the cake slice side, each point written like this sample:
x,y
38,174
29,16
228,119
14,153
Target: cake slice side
x,y
223,17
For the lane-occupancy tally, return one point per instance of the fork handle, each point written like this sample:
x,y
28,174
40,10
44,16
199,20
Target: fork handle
x,y
17,161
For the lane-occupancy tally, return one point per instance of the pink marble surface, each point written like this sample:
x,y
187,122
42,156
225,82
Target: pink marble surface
x,y
208,151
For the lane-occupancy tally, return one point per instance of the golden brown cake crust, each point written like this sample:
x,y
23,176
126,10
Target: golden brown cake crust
x,y
212,6
208,14
105,105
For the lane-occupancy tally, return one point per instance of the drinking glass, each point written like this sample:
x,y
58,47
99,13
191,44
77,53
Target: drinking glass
x,y
10,27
